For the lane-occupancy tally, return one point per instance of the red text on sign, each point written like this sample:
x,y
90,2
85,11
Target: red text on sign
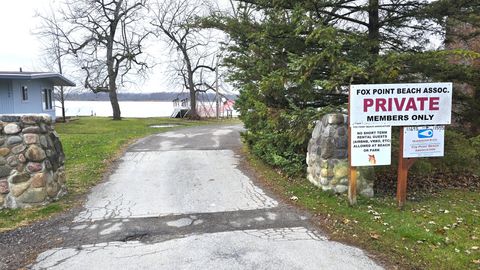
x,y
401,104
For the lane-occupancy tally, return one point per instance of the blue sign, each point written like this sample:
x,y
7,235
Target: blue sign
x,y
425,133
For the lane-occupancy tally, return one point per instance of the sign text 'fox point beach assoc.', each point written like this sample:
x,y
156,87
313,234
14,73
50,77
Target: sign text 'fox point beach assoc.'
x,y
401,104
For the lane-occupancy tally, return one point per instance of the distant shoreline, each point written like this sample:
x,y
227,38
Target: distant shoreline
x,y
120,100
160,96
136,109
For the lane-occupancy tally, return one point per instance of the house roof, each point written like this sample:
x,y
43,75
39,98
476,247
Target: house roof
x,y
55,78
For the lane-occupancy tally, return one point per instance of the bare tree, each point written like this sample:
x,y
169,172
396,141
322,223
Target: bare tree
x,y
106,38
55,52
177,20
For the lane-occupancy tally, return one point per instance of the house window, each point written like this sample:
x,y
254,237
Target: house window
x,y
24,93
47,99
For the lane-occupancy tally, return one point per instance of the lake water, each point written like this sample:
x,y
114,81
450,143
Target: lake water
x,y
140,109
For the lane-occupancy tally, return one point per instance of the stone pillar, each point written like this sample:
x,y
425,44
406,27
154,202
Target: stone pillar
x,y
31,161
327,157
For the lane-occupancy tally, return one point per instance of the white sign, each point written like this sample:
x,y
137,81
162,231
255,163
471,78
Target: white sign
x,y
370,146
401,104
423,141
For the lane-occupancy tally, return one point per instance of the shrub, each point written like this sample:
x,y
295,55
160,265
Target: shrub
x,y
280,136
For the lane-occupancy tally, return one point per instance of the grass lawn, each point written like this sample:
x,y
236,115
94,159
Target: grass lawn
x,y
435,231
90,145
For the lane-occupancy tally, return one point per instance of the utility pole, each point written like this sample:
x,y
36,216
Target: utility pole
x,y
217,96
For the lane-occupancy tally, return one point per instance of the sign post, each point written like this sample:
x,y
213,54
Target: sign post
x,y
404,165
352,176
352,172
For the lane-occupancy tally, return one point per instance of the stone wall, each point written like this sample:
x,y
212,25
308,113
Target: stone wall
x,y
31,161
327,157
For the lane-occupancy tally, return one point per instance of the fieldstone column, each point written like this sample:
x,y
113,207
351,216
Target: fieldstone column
x,y
327,157
31,161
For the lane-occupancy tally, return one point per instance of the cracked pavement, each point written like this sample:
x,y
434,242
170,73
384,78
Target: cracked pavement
x,y
179,200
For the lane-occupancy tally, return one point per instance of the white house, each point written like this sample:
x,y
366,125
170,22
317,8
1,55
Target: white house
x,y
29,92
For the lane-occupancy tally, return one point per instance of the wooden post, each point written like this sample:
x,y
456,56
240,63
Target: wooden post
x,y
352,180
404,165
352,172
217,97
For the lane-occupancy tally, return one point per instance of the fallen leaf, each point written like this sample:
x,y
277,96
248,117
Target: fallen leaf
x,y
374,235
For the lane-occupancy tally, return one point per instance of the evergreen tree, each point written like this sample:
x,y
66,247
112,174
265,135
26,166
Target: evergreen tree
x,y
294,60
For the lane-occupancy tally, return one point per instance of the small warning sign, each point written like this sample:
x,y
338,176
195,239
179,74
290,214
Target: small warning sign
x,y
370,145
423,141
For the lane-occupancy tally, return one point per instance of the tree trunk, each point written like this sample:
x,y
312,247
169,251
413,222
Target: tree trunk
x,y
62,103
112,72
373,37
60,70
191,86
112,85
374,27
114,100
115,106
193,100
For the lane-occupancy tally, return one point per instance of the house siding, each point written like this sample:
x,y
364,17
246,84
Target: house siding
x,y
34,104
6,97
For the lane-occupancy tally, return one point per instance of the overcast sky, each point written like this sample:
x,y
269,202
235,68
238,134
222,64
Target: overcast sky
x,y
20,48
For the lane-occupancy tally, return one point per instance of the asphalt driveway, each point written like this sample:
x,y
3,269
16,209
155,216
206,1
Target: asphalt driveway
x,y
179,200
